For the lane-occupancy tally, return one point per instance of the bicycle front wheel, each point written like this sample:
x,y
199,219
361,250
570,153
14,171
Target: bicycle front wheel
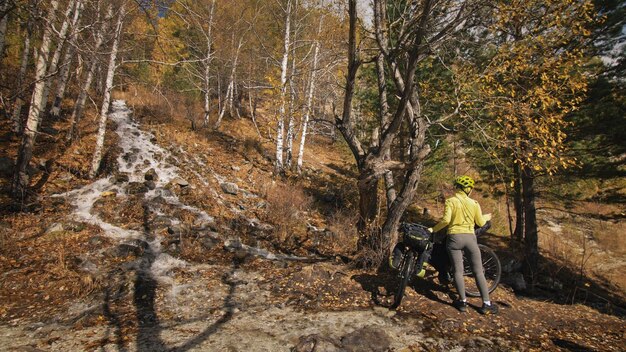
x,y
492,270
406,271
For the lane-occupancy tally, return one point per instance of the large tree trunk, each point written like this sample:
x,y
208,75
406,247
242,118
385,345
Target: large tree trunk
x,y
530,225
418,152
17,109
77,112
104,111
518,201
280,127
21,178
390,190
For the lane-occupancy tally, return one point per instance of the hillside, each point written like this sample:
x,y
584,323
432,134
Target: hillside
x,y
189,242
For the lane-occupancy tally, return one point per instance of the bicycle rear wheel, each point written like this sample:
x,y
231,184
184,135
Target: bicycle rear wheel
x,y
406,271
492,267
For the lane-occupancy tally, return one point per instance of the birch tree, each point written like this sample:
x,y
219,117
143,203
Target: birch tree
x,y
67,62
79,105
280,126
17,109
230,89
106,101
309,102
21,179
62,38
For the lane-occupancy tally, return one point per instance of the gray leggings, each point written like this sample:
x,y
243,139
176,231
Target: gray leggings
x,y
456,244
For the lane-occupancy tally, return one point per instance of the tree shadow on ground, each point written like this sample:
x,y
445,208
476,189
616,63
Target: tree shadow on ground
x,y
382,287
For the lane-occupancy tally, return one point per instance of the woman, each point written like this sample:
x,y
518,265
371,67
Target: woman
x,y
461,214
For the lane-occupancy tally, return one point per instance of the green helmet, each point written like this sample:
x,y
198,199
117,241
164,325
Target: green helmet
x,y
464,182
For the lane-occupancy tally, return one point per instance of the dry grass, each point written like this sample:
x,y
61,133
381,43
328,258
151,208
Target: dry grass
x,y
286,204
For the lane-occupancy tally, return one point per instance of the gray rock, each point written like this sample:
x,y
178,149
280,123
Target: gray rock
x,y
511,266
74,226
151,175
230,188
97,241
136,188
482,342
208,242
129,158
517,281
54,228
175,230
235,168
160,221
367,339
150,185
124,250
181,182
121,177
201,224
316,343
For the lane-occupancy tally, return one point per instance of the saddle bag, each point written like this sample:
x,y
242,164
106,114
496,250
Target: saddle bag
x,y
415,236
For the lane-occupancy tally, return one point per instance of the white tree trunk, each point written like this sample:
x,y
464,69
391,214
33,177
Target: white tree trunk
x,y
54,64
67,62
309,104
280,128
230,91
291,126
252,114
104,110
17,109
77,113
207,68
21,179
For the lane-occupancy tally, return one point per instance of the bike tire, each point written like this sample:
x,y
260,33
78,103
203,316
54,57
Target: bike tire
x,y
492,269
406,271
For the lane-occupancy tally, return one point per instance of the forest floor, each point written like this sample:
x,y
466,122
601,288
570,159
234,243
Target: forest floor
x,y
191,243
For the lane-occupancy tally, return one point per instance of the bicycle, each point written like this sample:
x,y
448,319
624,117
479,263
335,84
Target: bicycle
x,y
416,248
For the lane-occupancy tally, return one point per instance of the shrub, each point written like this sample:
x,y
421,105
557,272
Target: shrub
x,y
286,205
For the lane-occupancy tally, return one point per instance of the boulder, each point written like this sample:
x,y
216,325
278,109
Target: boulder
x,y
55,228
229,188
366,339
124,250
121,177
181,182
517,282
208,242
74,226
136,188
108,194
97,241
316,343
151,175
129,158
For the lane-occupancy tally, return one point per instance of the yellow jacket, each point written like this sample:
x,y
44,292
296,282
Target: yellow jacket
x,y
460,215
